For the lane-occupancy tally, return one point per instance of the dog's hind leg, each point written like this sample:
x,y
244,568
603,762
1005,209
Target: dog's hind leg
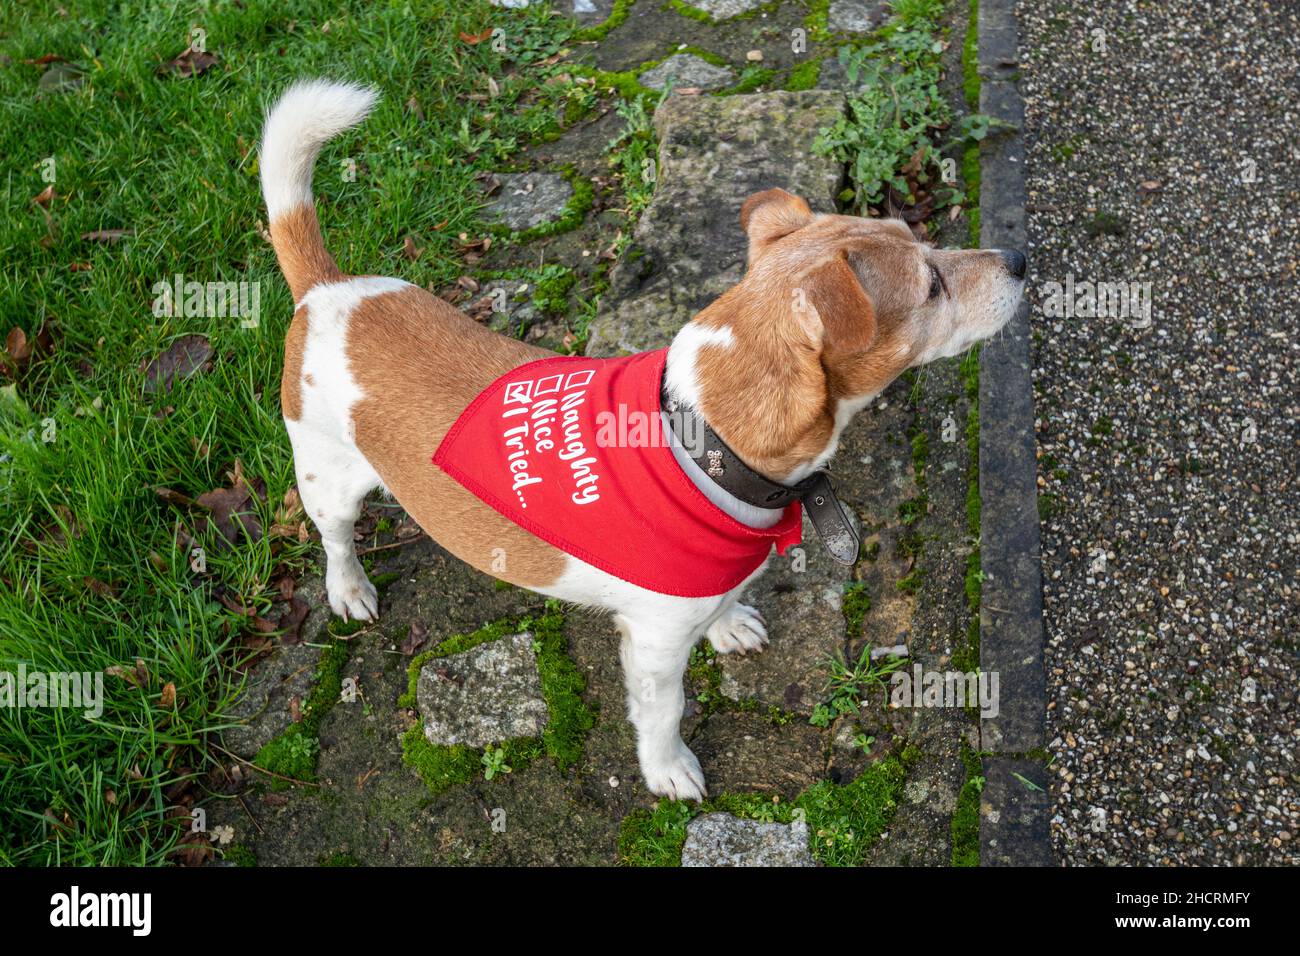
x,y
333,480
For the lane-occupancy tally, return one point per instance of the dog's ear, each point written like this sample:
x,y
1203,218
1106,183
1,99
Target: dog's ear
x,y
847,315
771,214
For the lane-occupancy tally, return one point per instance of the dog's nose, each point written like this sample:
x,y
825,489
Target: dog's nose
x,y
1014,261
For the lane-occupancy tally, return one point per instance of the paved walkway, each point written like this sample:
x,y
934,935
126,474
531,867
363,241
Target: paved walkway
x,y
1163,149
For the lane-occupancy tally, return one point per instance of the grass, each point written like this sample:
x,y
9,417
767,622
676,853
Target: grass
x,y
91,576
848,685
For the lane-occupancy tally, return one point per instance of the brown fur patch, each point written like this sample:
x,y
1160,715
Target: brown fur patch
x,y
772,396
419,363
300,249
291,379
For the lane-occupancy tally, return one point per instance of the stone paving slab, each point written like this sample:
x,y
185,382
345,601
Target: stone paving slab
x,y
1014,809
526,200
719,839
484,695
687,70
1014,829
688,248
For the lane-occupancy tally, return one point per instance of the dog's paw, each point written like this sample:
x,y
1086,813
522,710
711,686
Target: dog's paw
x,y
352,596
739,631
677,777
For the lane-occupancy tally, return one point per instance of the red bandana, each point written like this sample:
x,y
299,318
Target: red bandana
x,y
574,450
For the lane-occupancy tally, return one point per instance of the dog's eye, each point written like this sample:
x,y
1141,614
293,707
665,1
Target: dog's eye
x,y
936,283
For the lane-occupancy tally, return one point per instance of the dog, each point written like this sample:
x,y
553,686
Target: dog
x,y
377,372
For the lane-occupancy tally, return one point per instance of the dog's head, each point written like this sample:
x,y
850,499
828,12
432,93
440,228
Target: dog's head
x,y
866,292
832,309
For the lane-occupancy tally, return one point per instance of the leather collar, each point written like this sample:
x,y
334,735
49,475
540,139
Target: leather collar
x,y
724,467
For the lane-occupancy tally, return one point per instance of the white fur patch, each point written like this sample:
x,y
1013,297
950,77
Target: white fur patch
x,y
679,372
305,117
327,404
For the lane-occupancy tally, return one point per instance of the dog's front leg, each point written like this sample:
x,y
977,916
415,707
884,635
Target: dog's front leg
x,y
654,655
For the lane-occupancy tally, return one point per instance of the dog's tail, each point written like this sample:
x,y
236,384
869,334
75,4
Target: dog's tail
x,y
308,114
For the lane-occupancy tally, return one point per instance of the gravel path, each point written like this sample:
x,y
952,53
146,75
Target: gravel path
x,y
1168,455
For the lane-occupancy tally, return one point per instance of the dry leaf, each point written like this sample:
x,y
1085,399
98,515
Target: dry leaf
x,y
188,355
415,638
17,346
291,620
189,64
168,697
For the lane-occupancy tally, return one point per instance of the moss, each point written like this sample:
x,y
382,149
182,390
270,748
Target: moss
x,y
439,767
239,855
704,672
383,582
655,837
920,454
856,604
970,58
562,687
694,13
340,859
293,753
337,627
576,109
805,75
844,820
817,20
551,289
966,656
624,83
966,818
598,32
444,766
913,509
912,581
751,79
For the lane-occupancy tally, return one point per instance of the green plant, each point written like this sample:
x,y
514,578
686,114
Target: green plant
x,y
632,153
848,684
889,136
494,762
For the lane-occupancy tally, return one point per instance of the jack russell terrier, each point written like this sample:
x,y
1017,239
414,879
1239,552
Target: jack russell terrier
x,y
510,457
